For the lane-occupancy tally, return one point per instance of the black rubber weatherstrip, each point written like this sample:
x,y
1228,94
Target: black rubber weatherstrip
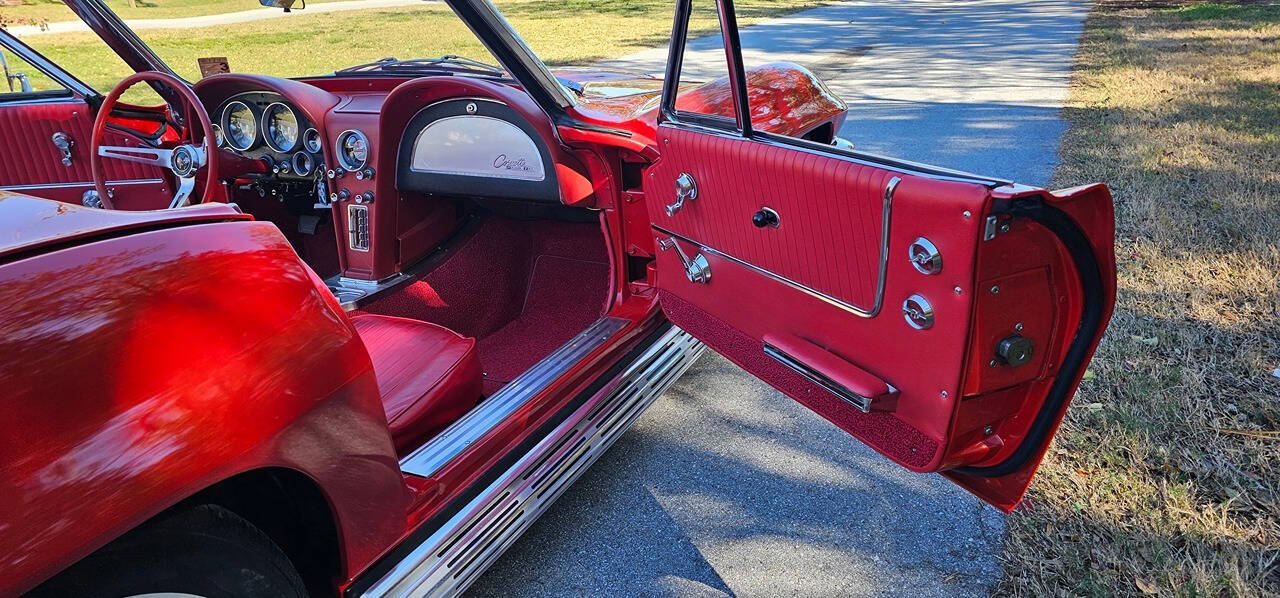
x,y
380,568
1086,264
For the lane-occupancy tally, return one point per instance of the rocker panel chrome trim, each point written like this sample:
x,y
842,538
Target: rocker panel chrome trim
x,y
450,443
448,561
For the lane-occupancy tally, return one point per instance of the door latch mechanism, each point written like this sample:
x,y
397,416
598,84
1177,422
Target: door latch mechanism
x,y
686,190
63,142
697,270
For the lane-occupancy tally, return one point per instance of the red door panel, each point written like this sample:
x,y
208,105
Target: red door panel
x,y
806,305
30,163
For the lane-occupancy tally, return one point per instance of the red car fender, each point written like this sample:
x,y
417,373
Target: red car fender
x,y
140,369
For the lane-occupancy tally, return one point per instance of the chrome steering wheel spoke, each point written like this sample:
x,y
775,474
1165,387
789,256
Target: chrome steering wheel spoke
x,y
142,155
183,195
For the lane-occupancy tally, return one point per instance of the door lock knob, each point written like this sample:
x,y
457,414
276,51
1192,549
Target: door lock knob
x,y
1015,350
766,217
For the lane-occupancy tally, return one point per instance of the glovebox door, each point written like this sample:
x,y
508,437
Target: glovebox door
x,y
942,320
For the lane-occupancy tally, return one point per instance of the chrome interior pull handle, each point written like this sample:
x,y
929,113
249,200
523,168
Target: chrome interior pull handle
x,y
686,190
697,270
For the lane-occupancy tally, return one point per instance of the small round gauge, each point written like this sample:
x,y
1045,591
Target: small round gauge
x,y
311,141
303,164
239,126
218,138
353,150
280,127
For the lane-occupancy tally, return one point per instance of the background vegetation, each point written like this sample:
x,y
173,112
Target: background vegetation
x,y
1165,476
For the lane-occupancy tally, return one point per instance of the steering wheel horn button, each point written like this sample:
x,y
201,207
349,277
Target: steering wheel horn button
x,y
184,160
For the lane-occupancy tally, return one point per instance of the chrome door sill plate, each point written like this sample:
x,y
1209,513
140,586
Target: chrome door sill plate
x,y
450,443
448,561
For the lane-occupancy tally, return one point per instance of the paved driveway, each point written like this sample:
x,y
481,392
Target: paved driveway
x,y
726,487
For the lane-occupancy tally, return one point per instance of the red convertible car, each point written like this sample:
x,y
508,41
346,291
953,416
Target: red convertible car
x,y
351,334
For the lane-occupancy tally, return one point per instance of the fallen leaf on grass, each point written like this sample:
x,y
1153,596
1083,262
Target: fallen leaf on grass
x,y
1146,586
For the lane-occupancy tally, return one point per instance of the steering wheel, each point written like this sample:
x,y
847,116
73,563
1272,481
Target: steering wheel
x,y
186,159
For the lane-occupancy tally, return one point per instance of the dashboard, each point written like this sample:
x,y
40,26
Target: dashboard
x,y
444,142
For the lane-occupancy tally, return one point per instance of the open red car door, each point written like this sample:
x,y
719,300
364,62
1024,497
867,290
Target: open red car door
x,y
943,319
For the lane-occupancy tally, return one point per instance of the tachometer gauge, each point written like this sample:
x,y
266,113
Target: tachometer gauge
x,y
353,150
218,138
280,127
311,140
239,127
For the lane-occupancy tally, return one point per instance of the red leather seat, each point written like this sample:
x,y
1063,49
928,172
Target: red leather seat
x,y
428,375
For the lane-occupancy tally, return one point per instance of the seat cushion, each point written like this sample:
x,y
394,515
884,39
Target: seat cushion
x,y
428,375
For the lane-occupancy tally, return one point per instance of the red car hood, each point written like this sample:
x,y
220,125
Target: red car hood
x,y
32,224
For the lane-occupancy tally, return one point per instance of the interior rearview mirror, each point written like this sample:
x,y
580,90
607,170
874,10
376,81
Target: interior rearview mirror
x,y
287,5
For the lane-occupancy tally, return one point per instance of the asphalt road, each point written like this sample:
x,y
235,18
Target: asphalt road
x,y
727,487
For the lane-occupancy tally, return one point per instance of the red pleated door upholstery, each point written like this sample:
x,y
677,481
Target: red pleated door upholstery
x,y
29,159
815,276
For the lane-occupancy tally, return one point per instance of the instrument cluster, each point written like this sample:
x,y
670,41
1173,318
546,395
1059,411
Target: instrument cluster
x,y
263,126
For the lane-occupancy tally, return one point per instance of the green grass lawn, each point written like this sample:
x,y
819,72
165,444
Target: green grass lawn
x,y
1165,476
561,32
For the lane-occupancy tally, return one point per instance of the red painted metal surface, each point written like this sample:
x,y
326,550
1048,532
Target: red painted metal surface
x,y
145,367
785,98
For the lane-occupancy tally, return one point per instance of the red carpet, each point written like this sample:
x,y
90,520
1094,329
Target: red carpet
x,y
522,288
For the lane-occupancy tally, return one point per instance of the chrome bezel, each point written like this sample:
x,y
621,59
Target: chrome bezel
x,y
219,139
266,121
226,116
312,133
342,159
311,164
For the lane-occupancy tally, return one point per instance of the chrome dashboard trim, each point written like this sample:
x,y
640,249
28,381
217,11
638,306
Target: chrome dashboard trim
x,y
454,556
881,278
430,457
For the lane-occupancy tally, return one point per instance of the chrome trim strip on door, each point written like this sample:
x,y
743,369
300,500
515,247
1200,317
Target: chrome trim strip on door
x,y
449,560
430,457
881,278
77,184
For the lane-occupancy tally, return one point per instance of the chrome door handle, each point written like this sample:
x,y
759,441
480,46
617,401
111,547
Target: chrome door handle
x,y
64,142
697,270
686,190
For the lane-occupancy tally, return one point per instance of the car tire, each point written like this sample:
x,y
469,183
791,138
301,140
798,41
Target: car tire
x,y
204,551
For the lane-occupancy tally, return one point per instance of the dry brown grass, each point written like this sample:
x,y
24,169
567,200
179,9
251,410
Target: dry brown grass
x,y
1165,477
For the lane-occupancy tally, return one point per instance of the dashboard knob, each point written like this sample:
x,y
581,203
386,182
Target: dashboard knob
x,y
368,174
331,173
366,197
344,195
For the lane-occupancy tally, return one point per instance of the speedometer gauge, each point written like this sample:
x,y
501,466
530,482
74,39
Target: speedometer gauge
x,y
239,127
280,127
